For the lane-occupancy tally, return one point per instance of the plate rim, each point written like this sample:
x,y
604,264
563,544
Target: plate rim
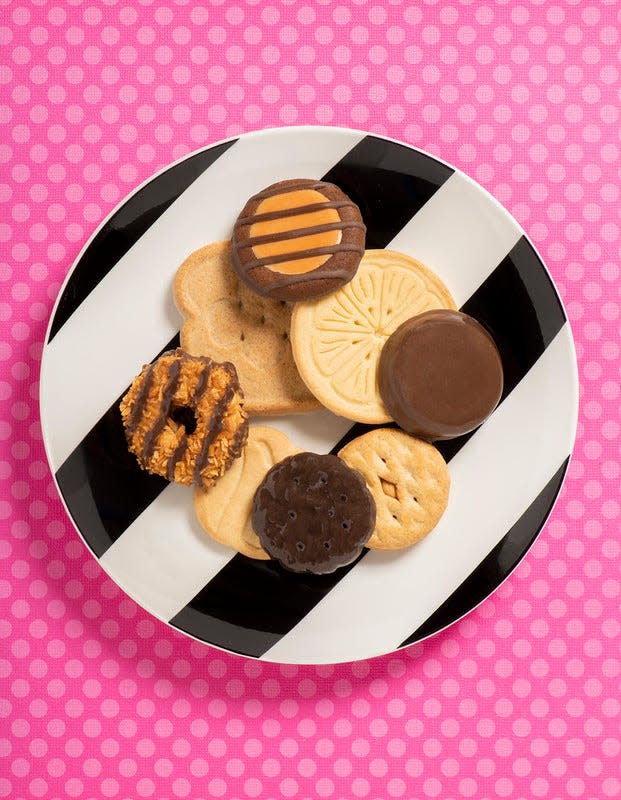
x,y
573,374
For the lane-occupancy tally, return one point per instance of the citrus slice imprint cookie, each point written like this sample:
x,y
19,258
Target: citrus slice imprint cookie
x,y
337,339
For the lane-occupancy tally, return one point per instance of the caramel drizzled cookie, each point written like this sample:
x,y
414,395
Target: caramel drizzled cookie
x,y
224,510
313,513
407,478
337,339
227,320
184,418
298,239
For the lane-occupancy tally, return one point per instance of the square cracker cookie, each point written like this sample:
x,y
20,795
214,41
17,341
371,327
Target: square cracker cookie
x,y
227,321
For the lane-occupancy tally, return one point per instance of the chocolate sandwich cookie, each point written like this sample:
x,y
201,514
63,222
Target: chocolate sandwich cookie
x,y
298,239
440,375
313,513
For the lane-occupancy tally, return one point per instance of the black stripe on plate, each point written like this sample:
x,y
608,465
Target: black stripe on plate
x,y
102,485
389,182
519,305
518,295
497,565
126,226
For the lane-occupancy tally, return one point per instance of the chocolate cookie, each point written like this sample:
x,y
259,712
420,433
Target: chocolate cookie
x,y
184,418
313,513
440,375
298,239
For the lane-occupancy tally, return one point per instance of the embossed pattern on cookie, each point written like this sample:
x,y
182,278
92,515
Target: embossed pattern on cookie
x,y
337,339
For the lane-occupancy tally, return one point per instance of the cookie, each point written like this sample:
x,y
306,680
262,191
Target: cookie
x,y
226,320
337,339
313,513
440,375
224,510
298,239
184,418
408,480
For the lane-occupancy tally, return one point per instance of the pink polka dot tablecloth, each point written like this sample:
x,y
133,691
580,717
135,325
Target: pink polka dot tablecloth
x,y
521,698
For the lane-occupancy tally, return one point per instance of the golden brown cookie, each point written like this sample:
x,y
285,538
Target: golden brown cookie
x,y
224,510
298,239
227,320
337,339
184,418
408,480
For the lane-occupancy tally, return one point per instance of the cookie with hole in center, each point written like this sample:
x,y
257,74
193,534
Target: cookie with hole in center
x,y
228,321
407,478
312,513
298,239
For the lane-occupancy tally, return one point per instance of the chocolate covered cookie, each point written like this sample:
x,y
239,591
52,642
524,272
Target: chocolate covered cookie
x,y
313,513
184,418
440,375
298,239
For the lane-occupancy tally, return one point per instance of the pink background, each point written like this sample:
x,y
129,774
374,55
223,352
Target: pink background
x,y
520,699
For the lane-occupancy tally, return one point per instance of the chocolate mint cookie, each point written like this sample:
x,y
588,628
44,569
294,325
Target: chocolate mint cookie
x,y
313,513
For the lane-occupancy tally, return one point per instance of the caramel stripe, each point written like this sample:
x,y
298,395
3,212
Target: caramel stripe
x,y
179,451
266,216
162,414
217,417
296,233
177,455
315,251
140,402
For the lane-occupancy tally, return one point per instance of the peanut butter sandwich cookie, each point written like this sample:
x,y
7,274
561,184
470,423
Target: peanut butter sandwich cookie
x,y
407,478
337,339
184,418
298,239
226,320
224,510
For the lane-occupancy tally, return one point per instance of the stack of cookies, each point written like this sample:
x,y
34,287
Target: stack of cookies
x,y
291,315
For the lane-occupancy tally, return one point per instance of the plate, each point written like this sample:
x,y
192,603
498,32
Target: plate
x,y
115,312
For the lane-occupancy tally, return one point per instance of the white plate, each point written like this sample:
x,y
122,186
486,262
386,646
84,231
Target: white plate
x,y
115,312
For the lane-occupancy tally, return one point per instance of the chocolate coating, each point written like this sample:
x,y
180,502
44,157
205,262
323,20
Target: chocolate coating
x,y
297,236
313,513
440,375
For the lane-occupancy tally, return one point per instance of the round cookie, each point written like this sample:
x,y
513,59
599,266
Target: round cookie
x,y
298,239
440,375
184,418
337,339
313,513
224,510
407,478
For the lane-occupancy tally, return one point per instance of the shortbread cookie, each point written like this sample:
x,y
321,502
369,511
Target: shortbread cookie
x,y
227,320
408,480
224,510
337,339
184,418
298,239
440,375
313,513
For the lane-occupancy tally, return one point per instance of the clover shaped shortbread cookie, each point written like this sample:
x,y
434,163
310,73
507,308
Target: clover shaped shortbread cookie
x,y
226,320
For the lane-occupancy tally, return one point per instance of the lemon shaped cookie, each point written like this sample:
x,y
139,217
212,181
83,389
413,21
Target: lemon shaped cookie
x,y
337,339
